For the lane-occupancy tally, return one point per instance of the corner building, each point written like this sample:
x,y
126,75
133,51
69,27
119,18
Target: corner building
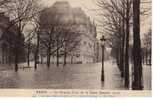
x,y
86,52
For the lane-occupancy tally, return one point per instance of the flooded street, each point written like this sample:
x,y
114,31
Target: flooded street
x,y
76,76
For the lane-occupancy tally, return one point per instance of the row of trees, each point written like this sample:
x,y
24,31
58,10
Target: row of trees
x,y
56,37
119,16
20,12
147,48
49,36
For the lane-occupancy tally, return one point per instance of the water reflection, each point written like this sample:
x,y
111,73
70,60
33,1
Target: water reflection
x,y
71,77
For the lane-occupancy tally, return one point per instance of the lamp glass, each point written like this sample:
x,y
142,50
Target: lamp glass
x,y
102,41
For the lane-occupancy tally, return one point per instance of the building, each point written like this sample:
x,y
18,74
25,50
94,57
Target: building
x,y
7,40
83,25
3,24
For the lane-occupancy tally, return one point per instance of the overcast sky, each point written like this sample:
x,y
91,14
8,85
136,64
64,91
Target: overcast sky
x,y
86,5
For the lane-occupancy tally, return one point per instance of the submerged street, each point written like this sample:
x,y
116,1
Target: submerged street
x,y
107,42
76,76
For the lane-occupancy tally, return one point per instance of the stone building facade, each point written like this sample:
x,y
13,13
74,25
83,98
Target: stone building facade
x,y
8,37
3,24
86,52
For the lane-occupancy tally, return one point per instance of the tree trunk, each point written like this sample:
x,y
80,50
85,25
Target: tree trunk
x,y
9,56
18,46
28,56
143,57
137,82
16,58
36,52
127,62
127,45
17,50
117,58
3,59
123,49
57,55
36,59
122,59
65,56
146,57
150,57
48,57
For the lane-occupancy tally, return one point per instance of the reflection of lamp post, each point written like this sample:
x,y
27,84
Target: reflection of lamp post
x,y
103,46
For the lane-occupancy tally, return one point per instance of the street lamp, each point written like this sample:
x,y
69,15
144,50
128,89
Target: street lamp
x,y
102,46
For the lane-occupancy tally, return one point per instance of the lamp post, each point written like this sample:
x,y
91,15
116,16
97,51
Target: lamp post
x,y
103,46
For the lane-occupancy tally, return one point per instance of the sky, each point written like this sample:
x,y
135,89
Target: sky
x,y
89,5
86,5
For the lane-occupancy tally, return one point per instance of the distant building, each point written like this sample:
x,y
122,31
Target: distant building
x,y
86,52
7,39
3,24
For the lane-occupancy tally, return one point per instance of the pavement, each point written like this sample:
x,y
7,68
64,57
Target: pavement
x,y
76,76
147,77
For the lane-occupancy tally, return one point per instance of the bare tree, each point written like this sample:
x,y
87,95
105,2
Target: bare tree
x,y
3,3
71,42
21,12
48,32
56,35
28,44
147,46
36,38
137,83
117,16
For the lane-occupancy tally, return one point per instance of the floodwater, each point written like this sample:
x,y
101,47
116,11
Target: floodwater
x,y
76,76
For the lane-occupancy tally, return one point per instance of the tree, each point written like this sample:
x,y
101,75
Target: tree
x,y
56,34
147,47
3,3
36,24
127,19
71,42
21,12
117,16
49,32
29,45
137,82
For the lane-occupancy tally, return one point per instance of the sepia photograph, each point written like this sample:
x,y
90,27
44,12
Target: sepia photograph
x,y
103,45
